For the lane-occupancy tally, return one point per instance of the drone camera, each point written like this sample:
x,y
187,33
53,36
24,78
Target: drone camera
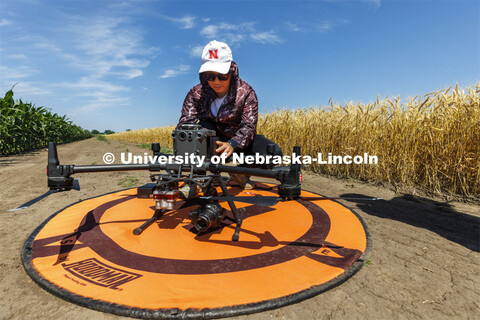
x,y
207,217
165,199
192,138
182,136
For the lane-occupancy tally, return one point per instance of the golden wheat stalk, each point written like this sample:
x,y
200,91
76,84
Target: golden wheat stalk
x,y
429,143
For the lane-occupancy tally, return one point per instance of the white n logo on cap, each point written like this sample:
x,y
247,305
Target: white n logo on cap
x,y
213,54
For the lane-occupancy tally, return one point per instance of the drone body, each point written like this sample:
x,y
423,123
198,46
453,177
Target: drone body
x,y
195,180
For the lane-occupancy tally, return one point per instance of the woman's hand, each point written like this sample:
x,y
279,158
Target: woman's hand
x,y
224,148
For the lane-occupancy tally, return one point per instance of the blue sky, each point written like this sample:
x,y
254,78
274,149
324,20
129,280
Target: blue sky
x,y
129,64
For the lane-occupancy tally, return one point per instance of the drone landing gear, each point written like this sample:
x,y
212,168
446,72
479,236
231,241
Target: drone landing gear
x,y
237,214
158,213
236,234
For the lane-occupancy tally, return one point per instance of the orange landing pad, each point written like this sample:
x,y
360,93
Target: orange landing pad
x,y
87,253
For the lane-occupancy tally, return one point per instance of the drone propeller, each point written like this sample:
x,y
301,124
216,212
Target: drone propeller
x,y
271,201
261,201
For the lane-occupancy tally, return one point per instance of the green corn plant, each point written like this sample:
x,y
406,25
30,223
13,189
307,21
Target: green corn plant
x,y
24,127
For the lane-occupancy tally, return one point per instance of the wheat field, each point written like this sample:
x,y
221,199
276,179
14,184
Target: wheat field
x,y
163,135
428,143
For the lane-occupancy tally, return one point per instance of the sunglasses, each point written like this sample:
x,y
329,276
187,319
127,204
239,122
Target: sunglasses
x,y
211,76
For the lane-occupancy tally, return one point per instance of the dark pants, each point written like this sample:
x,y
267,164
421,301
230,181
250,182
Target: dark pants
x,y
259,144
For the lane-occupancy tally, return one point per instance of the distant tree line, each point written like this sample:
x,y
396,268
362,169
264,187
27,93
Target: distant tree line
x,y
96,132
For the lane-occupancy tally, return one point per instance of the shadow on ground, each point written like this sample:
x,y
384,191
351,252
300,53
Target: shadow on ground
x,y
438,217
8,160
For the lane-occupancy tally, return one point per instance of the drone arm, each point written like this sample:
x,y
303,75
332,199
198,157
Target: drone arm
x,y
59,175
290,179
109,167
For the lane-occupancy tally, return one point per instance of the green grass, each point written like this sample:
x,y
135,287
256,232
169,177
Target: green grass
x,y
102,137
128,182
162,149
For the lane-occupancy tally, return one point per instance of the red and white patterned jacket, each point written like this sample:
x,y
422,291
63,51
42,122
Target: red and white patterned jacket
x,y
238,115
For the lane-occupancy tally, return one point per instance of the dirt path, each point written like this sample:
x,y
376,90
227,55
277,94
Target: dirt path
x,y
425,260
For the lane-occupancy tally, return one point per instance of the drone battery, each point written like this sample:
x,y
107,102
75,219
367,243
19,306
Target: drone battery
x,y
165,199
145,191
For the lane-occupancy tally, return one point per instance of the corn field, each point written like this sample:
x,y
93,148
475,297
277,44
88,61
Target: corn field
x,y
24,127
429,143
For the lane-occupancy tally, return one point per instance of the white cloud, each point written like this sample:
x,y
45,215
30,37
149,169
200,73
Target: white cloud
x,y
319,26
131,74
25,89
292,26
374,3
20,56
44,44
237,33
171,73
231,33
97,93
99,47
266,37
196,51
17,73
104,50
90,85
210,31
28,89
88,59
101,102
107,45
4,22
186,22
324,26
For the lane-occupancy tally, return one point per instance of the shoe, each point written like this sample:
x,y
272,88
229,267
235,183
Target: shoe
x,y
242,180
249,185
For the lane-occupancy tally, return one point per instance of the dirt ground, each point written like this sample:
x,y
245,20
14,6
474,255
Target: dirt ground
x,y
424,264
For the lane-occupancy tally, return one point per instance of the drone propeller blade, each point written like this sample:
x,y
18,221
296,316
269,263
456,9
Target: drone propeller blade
x,y
271,201
29,203
259,200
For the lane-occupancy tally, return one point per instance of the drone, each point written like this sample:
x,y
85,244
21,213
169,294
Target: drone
x,y
192,182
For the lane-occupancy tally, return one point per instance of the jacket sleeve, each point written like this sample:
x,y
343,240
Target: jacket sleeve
x,y
248,125
190,108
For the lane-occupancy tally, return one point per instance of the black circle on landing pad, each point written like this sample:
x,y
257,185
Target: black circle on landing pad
x,y
86,253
